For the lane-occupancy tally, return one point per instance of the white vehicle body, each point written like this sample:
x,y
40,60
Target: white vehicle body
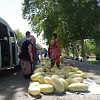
x,y
8,46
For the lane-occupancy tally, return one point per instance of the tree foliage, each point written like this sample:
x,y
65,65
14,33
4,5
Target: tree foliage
x,y
19,35
90,46
72,20
38,46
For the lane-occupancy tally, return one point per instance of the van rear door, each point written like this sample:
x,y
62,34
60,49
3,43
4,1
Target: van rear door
x,y
5,46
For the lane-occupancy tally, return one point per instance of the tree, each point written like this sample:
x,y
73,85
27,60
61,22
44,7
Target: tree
x,y
79,18
42,15
38,46
72,20
90,46
19,35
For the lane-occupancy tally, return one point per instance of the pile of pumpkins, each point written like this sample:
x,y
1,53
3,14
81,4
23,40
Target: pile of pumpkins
x,y
48,80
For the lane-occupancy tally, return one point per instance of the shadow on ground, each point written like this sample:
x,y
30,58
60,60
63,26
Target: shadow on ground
x,y
12,84
86,67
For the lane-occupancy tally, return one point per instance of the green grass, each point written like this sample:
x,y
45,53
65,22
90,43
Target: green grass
x,y
93,61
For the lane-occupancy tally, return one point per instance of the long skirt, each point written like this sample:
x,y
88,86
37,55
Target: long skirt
x,y
57,61
26,67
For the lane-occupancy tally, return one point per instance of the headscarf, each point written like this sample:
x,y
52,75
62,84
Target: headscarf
x,y
31,38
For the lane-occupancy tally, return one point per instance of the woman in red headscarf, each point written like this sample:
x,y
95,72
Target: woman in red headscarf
x,y
55,51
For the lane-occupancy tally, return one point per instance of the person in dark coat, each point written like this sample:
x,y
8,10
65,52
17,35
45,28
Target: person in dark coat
x,y
26,57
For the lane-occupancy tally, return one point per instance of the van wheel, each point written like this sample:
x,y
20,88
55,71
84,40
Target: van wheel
x,y
17,67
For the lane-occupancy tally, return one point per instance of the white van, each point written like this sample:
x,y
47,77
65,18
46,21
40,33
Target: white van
x,y
8,46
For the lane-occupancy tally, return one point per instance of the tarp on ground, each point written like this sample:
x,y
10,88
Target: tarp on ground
x,y
93,88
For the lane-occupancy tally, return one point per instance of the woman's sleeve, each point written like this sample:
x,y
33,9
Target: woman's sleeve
x,y
30,52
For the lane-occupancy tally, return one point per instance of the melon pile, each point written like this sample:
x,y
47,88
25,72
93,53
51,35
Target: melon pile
x,y
48,80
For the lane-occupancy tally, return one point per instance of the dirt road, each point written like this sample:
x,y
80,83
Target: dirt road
x,y
14,87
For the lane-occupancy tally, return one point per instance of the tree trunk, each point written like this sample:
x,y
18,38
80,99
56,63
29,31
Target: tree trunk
x,y
73,53
67,51
98,52
83,51
97,39
75,49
